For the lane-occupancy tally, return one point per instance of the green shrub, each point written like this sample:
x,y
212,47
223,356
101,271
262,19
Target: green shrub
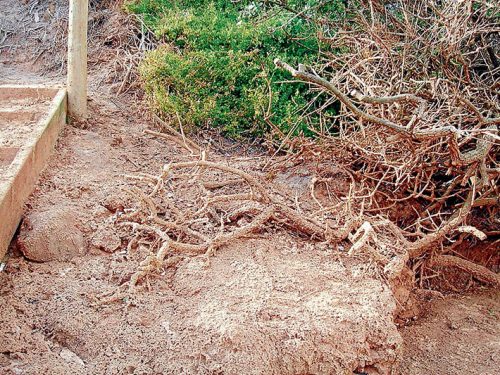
x,y
218,69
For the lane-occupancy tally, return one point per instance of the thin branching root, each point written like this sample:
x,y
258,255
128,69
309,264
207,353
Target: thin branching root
x,y
227,204
204,229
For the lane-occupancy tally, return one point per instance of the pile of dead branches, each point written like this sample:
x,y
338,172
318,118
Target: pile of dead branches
x,y
418,84
117,41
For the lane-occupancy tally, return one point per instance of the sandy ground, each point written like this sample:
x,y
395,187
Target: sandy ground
x,y
457,335
272,303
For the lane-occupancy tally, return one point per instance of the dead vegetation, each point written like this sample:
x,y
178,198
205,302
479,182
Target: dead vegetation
x,y
117,41
418,127
129,39
418,85
231,204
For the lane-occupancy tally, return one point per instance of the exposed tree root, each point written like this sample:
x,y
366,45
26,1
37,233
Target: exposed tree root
x,y
262,205
479,272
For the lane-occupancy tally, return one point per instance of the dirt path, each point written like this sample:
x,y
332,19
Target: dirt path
x,y
271,303
457,335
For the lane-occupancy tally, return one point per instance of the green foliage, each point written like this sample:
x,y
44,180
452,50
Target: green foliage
x,y
218,68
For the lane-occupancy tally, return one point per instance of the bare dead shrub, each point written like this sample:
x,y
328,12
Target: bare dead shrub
x,y
418,86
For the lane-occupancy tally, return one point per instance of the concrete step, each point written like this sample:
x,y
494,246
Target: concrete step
x,y
31,118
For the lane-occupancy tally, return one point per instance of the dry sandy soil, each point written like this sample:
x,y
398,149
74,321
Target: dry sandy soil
x,y
457,335
270,303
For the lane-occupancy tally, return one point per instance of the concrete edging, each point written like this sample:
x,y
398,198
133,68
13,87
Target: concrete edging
x,y
19,179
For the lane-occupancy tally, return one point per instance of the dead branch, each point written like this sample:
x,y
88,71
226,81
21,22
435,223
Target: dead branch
x,y
448,131
188,143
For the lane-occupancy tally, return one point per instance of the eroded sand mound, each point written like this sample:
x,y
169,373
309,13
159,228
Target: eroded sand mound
x,y
272,311
53,234
269,305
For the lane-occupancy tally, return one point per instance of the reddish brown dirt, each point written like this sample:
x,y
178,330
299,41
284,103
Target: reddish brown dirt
x,y
52,235
457,335
271,303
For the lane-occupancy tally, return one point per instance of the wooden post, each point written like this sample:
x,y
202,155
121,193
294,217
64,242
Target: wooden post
x,y
77,59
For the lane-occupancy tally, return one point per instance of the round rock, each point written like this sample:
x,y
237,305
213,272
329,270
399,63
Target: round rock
x,y
52,235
